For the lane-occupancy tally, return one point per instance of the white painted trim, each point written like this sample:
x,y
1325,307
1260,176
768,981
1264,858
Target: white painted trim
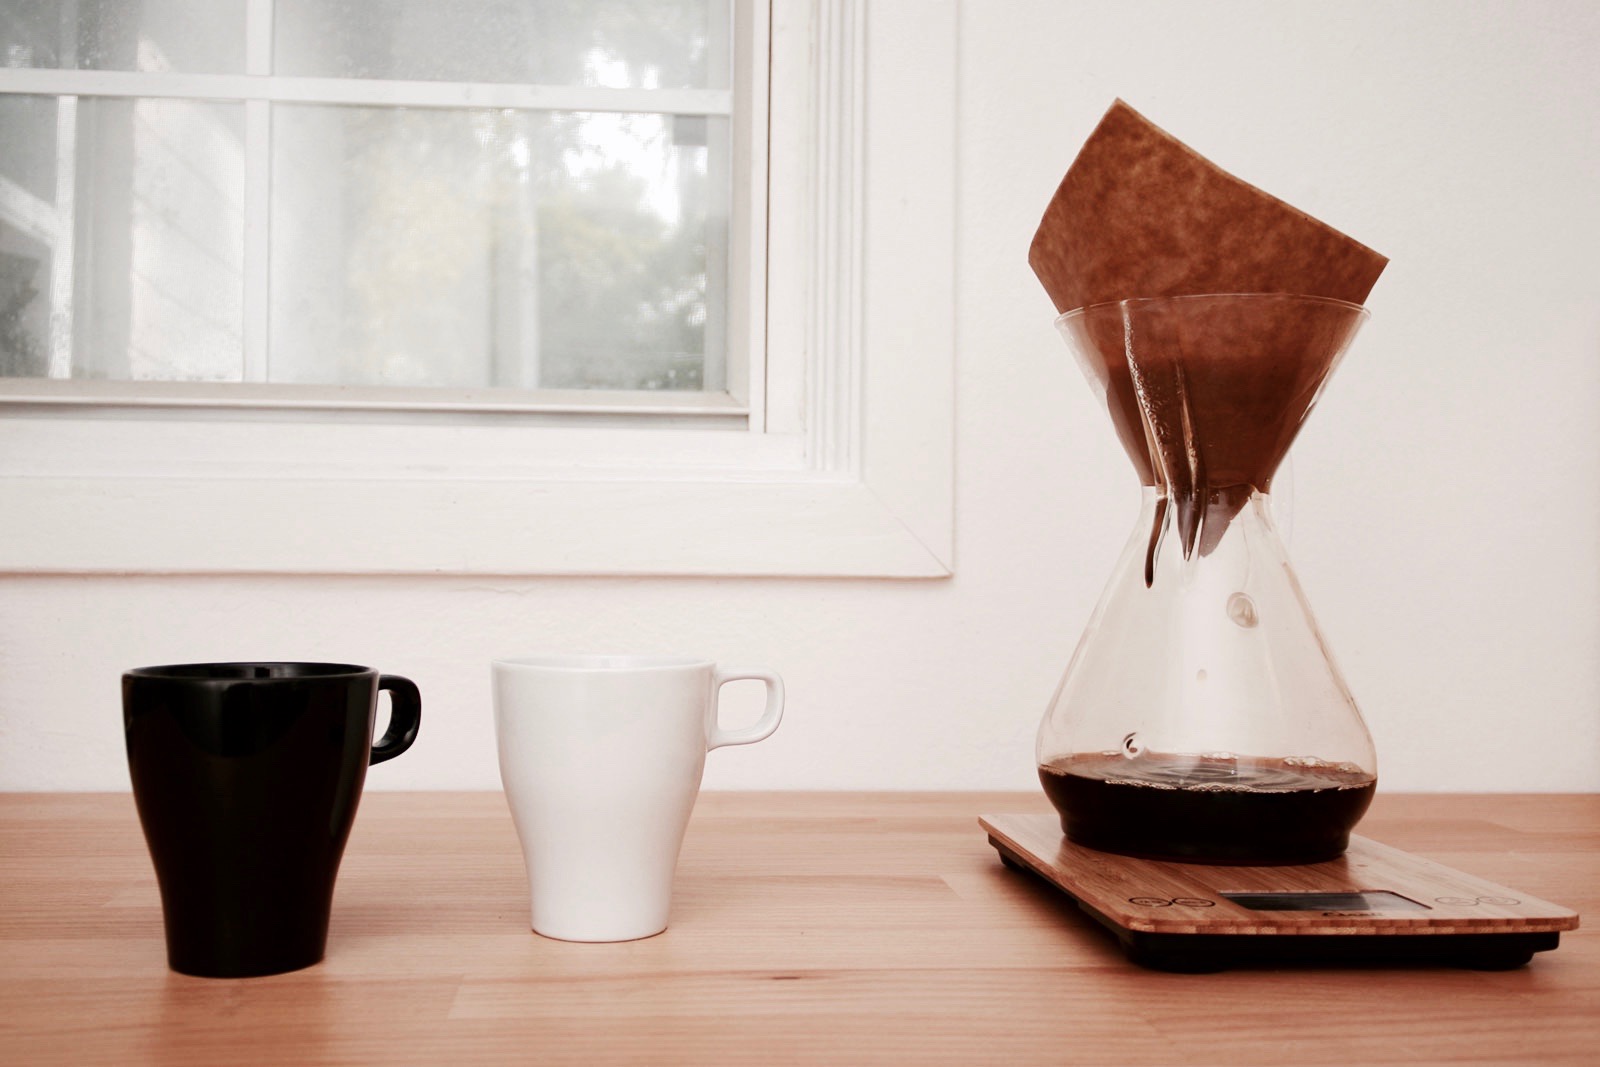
x,y
91,394
63,250
463,527
856,480
257,325
257,240
258,27
280,89
907,291
838,138
746,169
280,449
793,161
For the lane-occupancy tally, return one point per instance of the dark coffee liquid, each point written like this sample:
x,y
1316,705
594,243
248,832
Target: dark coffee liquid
x,y
1198,809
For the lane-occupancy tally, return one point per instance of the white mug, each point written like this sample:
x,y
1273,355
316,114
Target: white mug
x,y
601,758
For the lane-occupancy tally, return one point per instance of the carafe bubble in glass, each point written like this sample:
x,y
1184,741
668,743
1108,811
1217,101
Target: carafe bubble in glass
x,y
1201,718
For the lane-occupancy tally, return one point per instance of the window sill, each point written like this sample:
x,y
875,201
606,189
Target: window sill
x,y
797,528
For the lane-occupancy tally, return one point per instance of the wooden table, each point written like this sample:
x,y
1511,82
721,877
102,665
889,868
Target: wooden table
x,y
807,928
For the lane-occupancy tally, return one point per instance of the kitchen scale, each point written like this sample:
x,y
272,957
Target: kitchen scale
x,y
1374,904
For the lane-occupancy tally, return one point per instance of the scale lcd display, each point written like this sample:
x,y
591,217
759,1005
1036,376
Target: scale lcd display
x,y
1379,900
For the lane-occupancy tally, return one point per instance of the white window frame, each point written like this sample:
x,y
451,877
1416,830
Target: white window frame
x,y
840,464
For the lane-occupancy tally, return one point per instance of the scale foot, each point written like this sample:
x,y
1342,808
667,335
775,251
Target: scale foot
x,y
1174,962
1509,961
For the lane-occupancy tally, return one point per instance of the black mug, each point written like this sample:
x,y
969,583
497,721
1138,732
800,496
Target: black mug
x,y
246,777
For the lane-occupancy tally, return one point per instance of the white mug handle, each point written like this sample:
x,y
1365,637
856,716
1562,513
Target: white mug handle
x,y
769,718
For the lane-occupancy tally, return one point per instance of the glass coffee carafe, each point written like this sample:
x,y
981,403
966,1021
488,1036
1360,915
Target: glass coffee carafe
x,y
1201,718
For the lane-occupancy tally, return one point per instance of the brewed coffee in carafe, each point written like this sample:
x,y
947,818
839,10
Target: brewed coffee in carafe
x,y
1201,717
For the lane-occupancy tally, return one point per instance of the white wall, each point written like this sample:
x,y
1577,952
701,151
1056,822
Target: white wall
x,y
1447,491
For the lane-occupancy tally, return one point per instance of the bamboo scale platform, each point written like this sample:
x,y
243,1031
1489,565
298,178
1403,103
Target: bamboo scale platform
x,y
807,928
1372,904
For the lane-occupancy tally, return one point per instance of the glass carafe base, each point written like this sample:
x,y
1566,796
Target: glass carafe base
x,y
1209,809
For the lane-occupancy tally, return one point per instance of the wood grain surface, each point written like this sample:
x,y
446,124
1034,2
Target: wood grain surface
x,y
1454,902
807,928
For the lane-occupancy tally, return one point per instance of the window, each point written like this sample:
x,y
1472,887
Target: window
x,y
756,381
484,195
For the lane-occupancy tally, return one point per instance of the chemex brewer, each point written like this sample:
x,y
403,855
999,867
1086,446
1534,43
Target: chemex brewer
x,y
1201,718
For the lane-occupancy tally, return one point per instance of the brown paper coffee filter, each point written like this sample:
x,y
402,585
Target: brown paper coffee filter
x,y
1219,386
1140,215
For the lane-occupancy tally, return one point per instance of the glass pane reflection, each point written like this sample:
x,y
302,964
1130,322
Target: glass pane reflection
x,y
493,248
122,249
644,44
181,35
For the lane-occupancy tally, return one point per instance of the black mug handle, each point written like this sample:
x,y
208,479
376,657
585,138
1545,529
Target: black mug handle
x,y
405,715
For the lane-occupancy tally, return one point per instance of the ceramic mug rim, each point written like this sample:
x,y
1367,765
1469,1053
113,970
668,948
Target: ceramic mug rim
x,y
601,663
229,672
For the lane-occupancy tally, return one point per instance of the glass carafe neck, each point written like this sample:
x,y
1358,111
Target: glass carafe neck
x,y
1223,525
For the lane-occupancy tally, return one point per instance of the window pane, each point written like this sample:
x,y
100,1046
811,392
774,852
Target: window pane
x,y
668,44
160,286
135,252
496,248
28,227
24,304
28,134
180,35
